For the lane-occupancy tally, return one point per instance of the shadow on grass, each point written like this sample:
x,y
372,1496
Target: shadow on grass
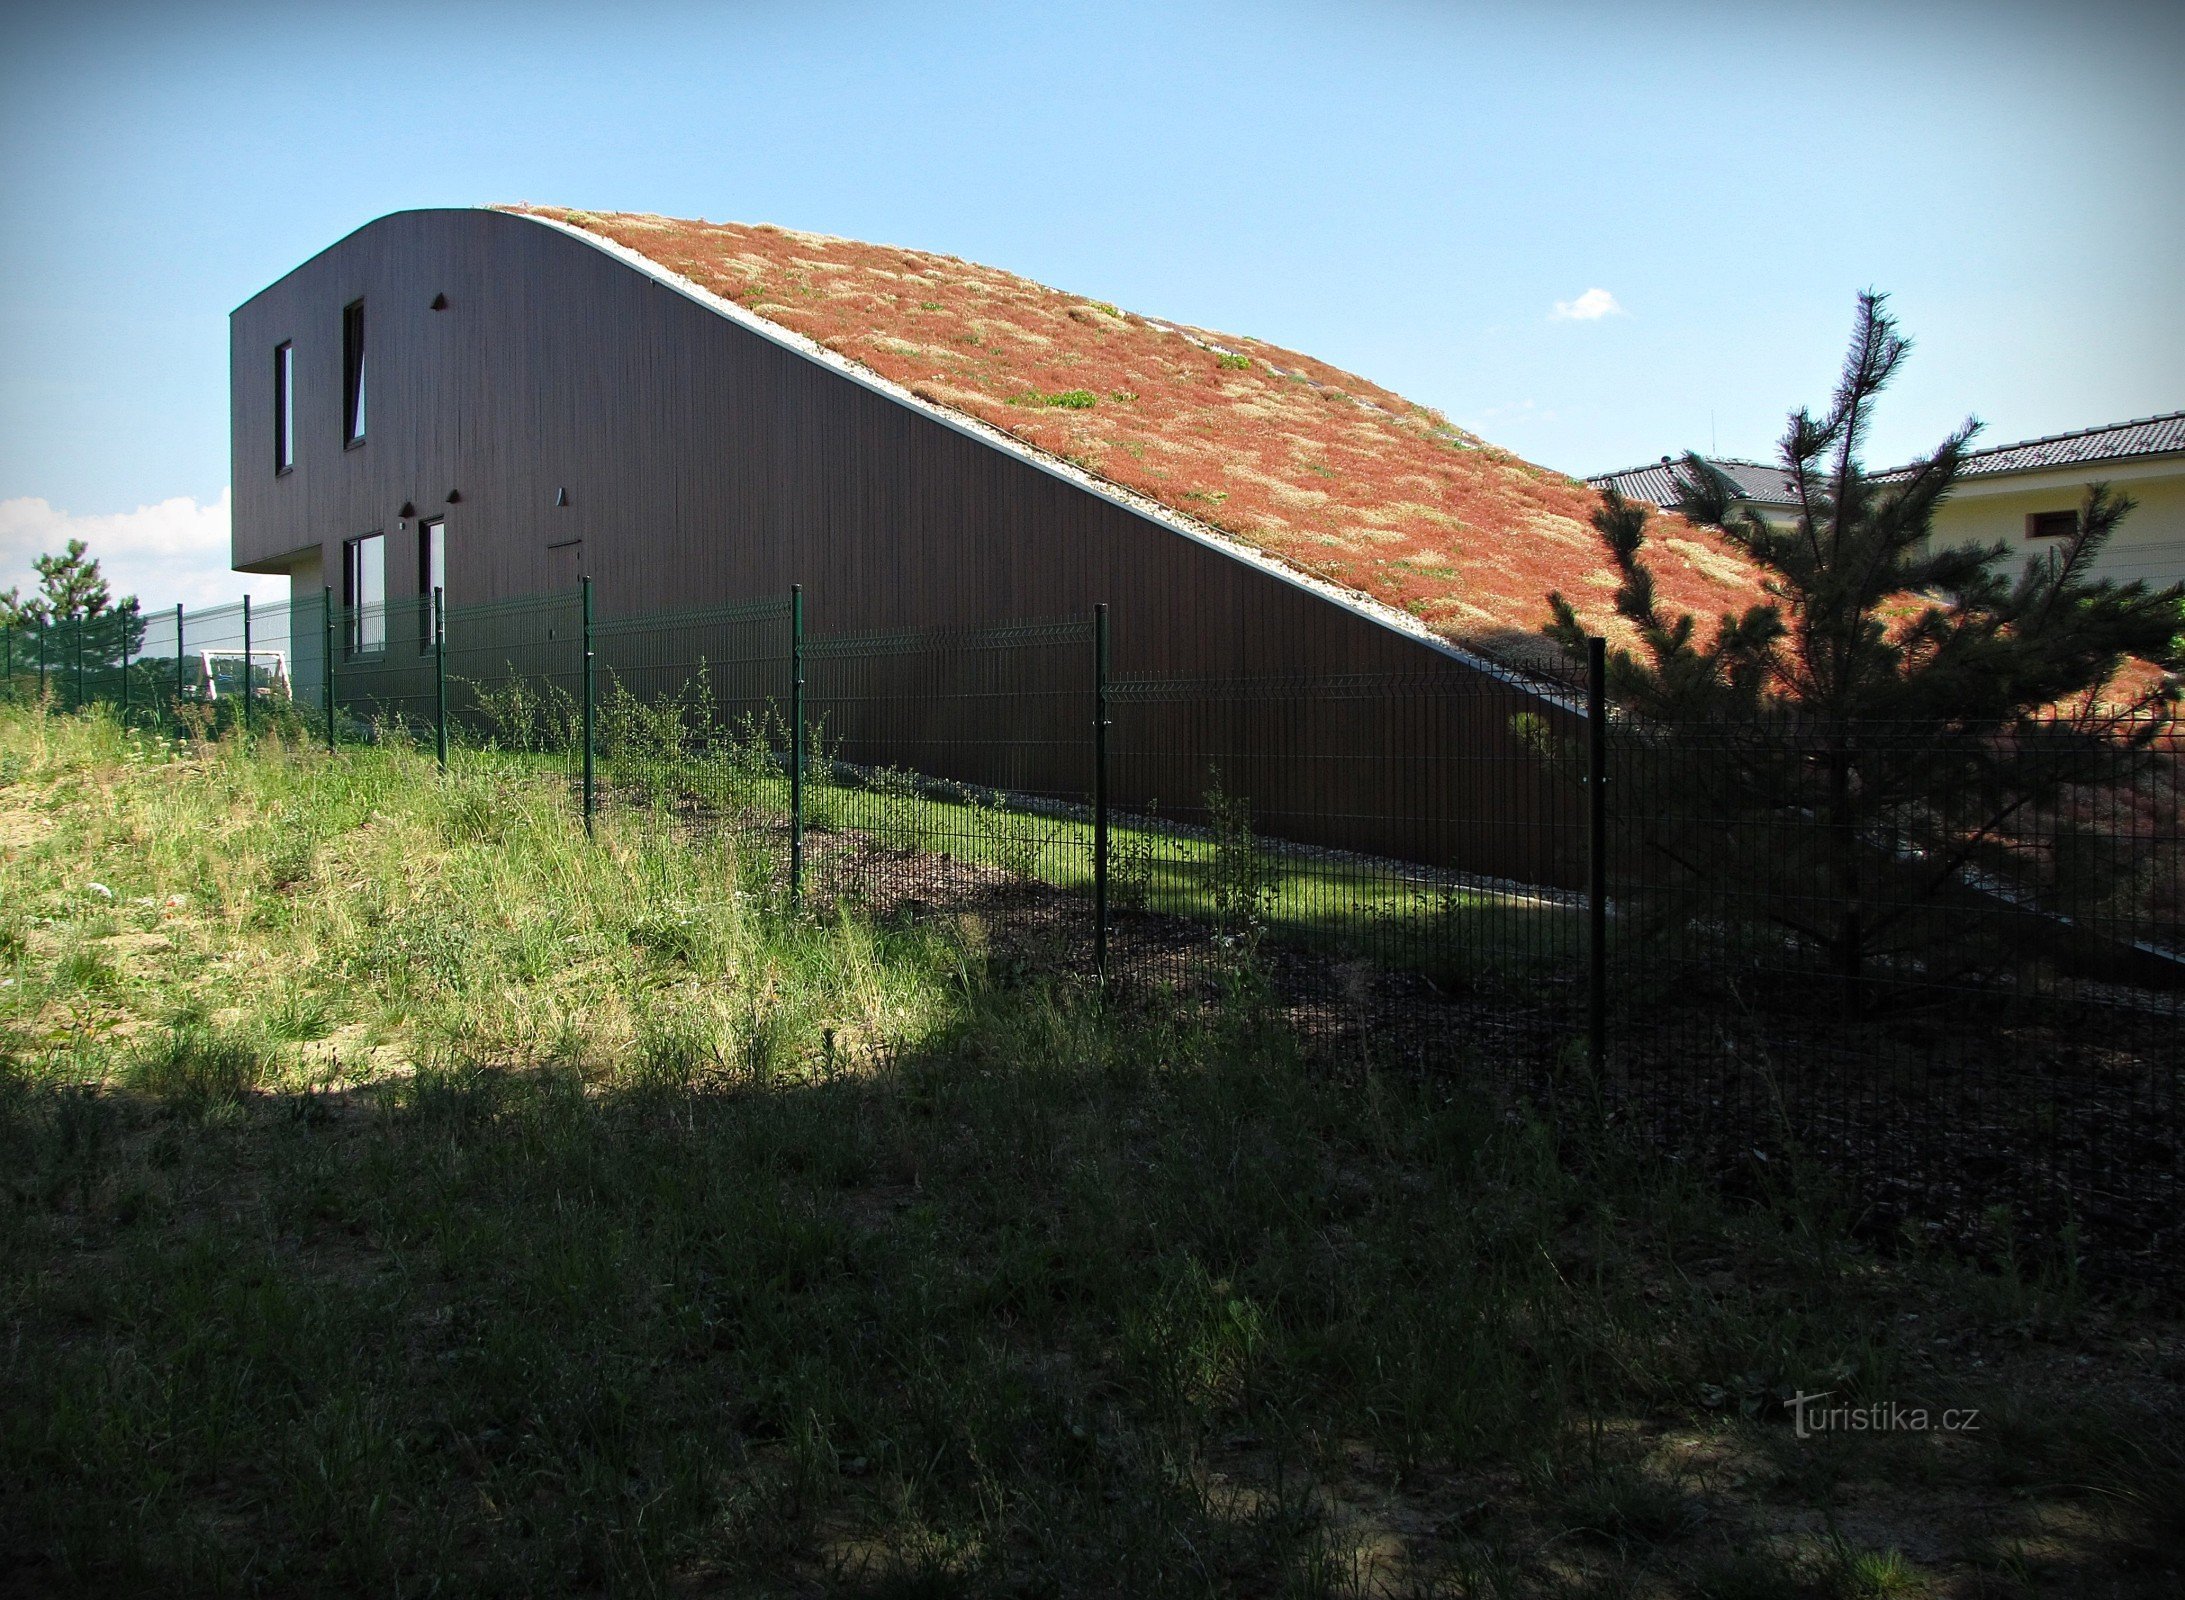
x,y
1059,1303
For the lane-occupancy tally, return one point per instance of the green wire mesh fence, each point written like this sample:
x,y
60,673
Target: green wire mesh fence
x,y
1948,963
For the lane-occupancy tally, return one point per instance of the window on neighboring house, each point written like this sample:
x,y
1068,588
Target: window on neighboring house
x,y
352,373
432,572
2051,524
284,407
364,592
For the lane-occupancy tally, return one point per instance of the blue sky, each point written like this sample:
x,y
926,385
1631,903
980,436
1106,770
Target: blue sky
x,y
1405,189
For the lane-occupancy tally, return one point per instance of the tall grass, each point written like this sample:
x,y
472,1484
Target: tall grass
x,y
409,1196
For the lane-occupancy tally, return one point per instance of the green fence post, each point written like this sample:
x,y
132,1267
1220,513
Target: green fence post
x,y
123,617
10,632
45,632
586,584
76,631
1100,795
178,658
327,617
1596,853
246,664
796,745
440,675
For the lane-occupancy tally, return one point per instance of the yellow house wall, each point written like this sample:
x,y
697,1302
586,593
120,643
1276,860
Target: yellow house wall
x,y
2149,544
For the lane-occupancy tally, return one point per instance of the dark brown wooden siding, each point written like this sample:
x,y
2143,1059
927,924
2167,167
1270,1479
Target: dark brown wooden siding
x,y
704,463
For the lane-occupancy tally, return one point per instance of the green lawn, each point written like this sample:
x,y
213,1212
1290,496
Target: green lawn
x,y
406,1196
1393,910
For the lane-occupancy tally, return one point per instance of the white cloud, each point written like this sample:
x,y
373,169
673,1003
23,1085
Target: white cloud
x,y
174,551
1591,306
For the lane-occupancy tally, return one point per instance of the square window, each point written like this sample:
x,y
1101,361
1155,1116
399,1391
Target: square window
x,y
2051,524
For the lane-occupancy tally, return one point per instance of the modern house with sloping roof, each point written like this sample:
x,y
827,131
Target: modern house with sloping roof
x,y
503,401
593,388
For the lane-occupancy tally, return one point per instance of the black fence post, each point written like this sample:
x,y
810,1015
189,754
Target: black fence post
x,y
1100,795
796,745
585,584
246,664
178,659
123,618
1596,853
328,619
440,675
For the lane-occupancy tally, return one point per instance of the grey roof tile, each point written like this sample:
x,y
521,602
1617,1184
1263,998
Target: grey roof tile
x,y
1769,486
1756,481
2119,441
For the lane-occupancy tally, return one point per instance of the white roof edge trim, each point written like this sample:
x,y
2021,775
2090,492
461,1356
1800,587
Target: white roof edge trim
x,y
1372,610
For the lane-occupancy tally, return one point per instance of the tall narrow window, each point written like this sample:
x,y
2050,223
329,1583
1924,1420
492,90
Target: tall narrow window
x,y
364,592
352,373
284,407
432,572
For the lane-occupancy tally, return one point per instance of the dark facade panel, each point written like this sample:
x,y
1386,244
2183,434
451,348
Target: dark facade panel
x,y
703,462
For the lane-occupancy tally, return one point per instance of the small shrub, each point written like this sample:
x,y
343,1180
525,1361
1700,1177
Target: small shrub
x,y
84,971
672,935
1624,1506
767,1036
201,1064
291,854
673,1050
456,1098
910,822
1130,868
73,1148
300,1014
1067,400
1878,1575
1009,839
484,808
1237,363
1241,875
523,716
418,949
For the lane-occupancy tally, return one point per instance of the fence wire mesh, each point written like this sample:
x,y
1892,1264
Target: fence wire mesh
x,y
1946,964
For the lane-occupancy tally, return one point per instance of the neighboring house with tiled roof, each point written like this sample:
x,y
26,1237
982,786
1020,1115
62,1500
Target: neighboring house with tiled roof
x,y
2027,494
1763,488
2023,495
679,415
